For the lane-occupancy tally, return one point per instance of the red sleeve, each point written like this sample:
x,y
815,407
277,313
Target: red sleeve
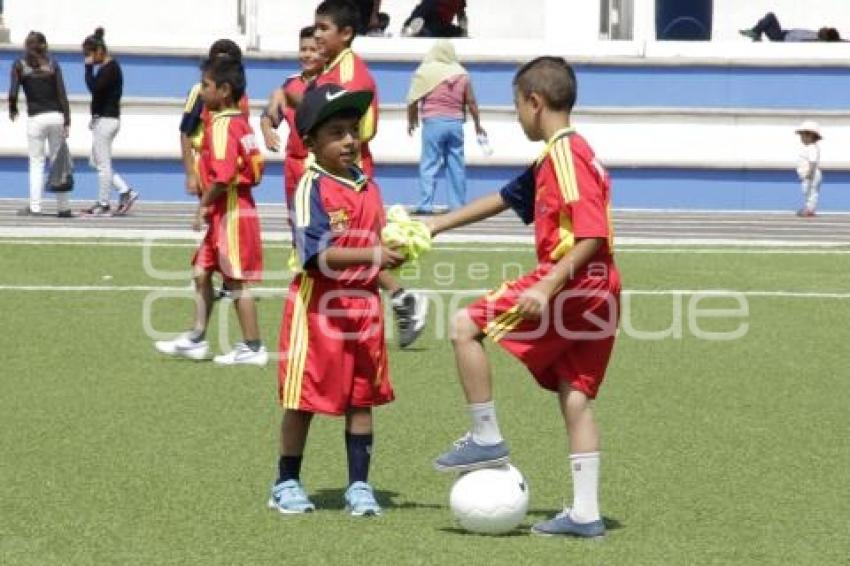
x,y
224,152
590,212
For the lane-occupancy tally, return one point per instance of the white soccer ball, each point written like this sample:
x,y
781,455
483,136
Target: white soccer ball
x,y
490,501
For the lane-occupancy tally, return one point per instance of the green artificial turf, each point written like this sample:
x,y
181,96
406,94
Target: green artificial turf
x,y
714,452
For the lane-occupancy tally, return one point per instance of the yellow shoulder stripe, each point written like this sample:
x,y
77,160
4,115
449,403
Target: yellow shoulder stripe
x,y
221,126
302,199
192,98
562,159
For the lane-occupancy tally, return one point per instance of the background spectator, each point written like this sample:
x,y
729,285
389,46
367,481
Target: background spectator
x,y
769,26
106,86
442,88
435,18
372,20
48,112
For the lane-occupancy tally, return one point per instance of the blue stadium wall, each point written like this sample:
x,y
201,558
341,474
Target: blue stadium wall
x,y
820,87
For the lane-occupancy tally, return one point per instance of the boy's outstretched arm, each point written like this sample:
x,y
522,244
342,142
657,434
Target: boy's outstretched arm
x,y
343,258
477,210
534,299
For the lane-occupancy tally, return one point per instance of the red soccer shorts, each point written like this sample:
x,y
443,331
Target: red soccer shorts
x,y
573,339
333,356
232,245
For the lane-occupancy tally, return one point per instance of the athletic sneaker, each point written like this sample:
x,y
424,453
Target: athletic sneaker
x,y
752,34
184,347
563,524
411,310
98,209
289,498
360,500
243,355
125,201
413,28
468,455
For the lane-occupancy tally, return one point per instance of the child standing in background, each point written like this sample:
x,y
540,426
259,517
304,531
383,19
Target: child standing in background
x,y
808,166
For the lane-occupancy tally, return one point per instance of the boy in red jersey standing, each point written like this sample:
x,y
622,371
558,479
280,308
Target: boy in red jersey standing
x,y
333,358
335,28
230,165
560,319
295,158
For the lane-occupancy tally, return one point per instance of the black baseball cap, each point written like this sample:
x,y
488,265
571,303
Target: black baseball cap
x,y
322,102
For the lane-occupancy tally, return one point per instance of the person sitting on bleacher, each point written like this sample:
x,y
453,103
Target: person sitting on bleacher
x,y
435,18
770,27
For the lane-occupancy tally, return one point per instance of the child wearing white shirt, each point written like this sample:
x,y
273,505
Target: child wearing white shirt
x,y
808,166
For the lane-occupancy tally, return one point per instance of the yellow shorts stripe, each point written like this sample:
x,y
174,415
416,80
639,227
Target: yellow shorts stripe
x,y
233,253
508,325
298,335
503,324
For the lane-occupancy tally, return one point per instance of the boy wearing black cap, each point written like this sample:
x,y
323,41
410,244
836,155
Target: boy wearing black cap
x,y
333,357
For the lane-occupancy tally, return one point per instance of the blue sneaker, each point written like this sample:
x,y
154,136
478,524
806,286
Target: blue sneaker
x,y
289,498
469,455
360,500
562,524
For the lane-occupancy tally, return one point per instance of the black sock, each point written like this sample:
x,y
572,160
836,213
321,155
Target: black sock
x,y
197,335
254,344
359,450
397,293
289,468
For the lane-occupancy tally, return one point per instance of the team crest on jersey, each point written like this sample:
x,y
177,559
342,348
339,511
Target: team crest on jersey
x,y
249,143
339,220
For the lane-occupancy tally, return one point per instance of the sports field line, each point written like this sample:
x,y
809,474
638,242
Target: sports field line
x,y
41,232
470,292
621,249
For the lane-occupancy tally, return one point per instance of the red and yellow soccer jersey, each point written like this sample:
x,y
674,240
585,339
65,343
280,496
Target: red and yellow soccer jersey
x,y
229,153
295,148
567,194
332,211
230,156
196,116
351,73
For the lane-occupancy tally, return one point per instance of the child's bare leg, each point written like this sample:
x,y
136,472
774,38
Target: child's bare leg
x,y
203,302
358,443
389,283
246,310
294,427
473,367
584,453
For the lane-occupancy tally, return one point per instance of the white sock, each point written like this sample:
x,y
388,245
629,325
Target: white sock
x,y
585,471
485,427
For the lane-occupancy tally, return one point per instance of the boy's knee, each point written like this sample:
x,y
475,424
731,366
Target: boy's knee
x,y
463,329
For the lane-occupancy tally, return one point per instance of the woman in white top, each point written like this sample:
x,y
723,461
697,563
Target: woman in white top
x,y
441,89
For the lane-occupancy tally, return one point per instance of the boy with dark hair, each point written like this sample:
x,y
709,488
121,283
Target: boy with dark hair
x,y
229,166
336,28
559,319
196,116
295,158
333,358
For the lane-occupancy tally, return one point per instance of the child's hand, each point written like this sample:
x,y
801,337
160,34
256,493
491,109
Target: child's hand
x,y
198,220
533,301
270,136
193,186
390,258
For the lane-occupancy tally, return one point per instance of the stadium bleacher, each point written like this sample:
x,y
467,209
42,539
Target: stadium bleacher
x,y
679,124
